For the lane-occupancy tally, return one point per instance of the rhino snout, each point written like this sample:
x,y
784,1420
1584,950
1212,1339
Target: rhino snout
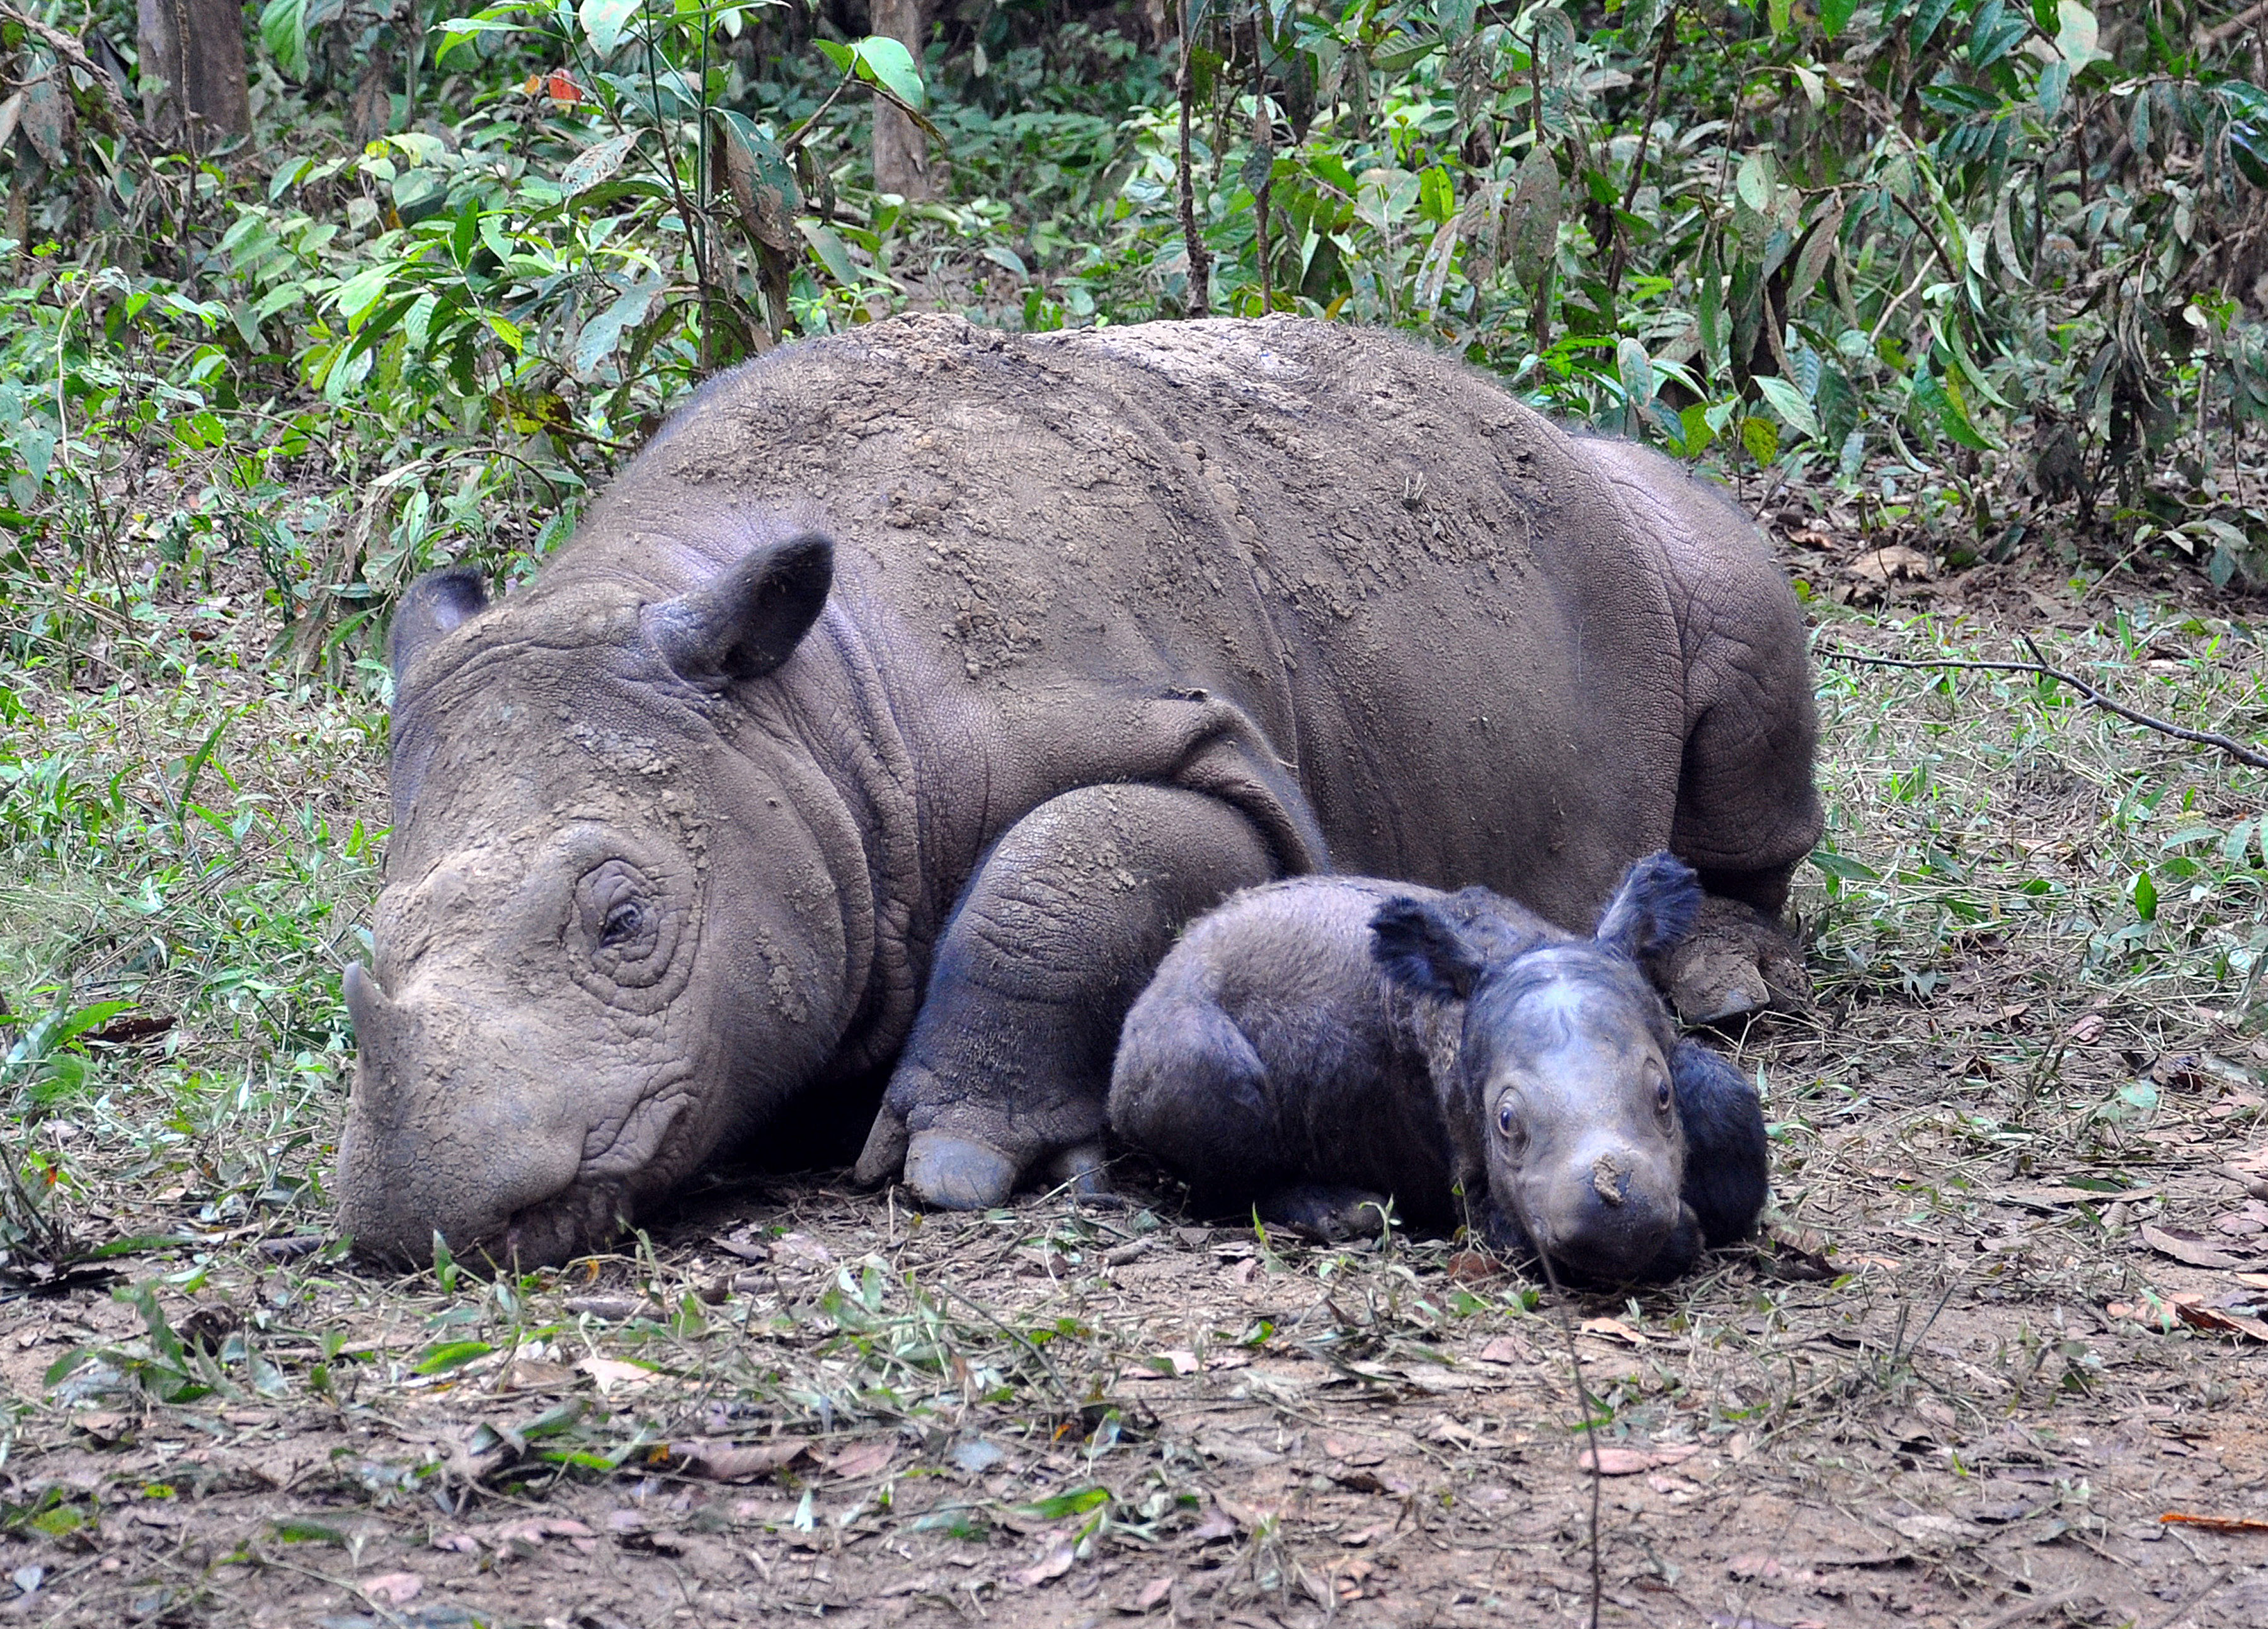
x,y
466,1149
1607,1212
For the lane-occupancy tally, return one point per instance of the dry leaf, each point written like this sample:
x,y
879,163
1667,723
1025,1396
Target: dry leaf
x,y
462,1543
861,1459
1218,1523
2216,1524
731,1461
393,1588
1473,1267
1893,562
1055,1563
2187,1248
534,1375
1613,1329
1628,1461
1507,1349
613,1375
2087,1030
801,1247
614,1309
1156,1590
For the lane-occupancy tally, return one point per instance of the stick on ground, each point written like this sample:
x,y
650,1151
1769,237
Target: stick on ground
x,y
2092,696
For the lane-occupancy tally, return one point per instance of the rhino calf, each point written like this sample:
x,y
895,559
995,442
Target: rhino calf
x,y
1319,1044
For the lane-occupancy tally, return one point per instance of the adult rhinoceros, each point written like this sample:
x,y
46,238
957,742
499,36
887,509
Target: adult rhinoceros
x,y
914,687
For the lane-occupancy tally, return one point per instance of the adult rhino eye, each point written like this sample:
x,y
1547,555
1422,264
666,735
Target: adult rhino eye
x,y
624,923
1661,1097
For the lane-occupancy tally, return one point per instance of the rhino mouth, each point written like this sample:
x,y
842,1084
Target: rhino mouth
x,y
584,1219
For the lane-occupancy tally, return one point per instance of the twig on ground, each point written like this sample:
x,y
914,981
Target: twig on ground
x,y
2235,748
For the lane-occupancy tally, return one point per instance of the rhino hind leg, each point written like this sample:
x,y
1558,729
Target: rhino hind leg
x,y
1009,1063
1736,963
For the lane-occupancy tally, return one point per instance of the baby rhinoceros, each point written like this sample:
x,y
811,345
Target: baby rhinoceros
x,y
1316,1045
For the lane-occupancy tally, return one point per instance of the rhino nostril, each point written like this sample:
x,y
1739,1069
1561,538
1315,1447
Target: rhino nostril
x,y
1611,1178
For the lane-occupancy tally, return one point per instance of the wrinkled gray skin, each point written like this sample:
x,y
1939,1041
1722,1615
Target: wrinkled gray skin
x,y
903,700
1327,1047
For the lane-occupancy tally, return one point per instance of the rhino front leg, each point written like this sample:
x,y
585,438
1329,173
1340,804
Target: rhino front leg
x,y
1009,1063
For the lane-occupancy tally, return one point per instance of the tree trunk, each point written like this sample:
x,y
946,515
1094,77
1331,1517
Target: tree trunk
x,y
900,150
194,92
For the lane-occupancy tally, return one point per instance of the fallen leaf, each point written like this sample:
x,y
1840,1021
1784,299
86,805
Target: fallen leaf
x,y
614,1309
1893,562
393,1588
1178,1362
861,1459
612,1374
1628,1461
1156,1590
731,1461
534,1375
462,1543
2216,1524
1507,1349
801,1247
2186,1248
1613,1329
1055,1563
1354,1450
1473,1267
2253,1280
2088,1029
1929,1528
1218,1523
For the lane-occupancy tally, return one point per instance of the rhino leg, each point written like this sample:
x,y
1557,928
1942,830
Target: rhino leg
x,y
1009,1062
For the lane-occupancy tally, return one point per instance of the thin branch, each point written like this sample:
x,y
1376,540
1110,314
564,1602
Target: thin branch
x,y
72,52
2038,665
1200,276
1621,255
2211,37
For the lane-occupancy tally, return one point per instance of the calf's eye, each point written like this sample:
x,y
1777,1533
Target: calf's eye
x,y
1504,1119
1661,1097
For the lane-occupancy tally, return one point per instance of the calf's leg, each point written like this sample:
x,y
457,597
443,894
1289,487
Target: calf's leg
x,y
1009,1061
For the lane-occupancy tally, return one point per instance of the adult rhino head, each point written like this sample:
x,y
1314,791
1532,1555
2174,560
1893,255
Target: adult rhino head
x,y
622,903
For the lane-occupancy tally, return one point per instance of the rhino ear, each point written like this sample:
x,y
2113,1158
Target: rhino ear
x,y
1418,948
1654,909
751,619
436,602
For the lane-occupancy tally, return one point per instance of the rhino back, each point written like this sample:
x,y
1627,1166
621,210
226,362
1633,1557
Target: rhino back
x,y
1436,611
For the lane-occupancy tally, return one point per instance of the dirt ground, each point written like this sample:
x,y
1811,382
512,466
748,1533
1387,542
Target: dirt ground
x,y
2001,1330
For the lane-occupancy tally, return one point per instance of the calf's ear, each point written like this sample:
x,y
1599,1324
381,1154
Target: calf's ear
x,y
1419,950
436,602
750,619
1654,909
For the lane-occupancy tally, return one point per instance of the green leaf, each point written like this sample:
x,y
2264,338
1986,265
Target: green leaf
x,y
1754,181
1760,437
1927,17
284,31
451,1355
604,22
604,332
1071,1503
831,253
885,61
2076,35
1948,413
597,162
1788,402
1843,868
1394,59
2145,895
1635,368
1835,16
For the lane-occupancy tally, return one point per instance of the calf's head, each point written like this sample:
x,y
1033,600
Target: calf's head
x,y
619,916
1565,1059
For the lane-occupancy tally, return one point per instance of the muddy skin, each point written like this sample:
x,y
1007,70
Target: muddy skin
x,y
1328,1047
901,702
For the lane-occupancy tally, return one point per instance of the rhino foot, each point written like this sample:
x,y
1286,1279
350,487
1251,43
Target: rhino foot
x,y
1079,1169
955,1173
1737,962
